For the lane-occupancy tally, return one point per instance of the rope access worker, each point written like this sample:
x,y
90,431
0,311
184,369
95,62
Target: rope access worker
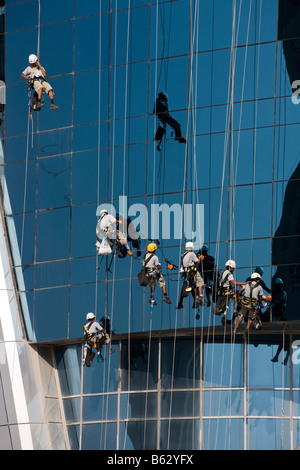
x,y
226,289
279,301
161,110
253,293
107,226
153,267
106,325
259,271
131,234
36,74
262,283
207,269
189,262
94,336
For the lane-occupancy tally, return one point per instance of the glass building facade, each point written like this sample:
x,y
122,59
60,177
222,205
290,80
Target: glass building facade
x,y
179,379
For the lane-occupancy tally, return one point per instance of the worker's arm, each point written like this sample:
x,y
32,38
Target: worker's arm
x,y
235,283
41,69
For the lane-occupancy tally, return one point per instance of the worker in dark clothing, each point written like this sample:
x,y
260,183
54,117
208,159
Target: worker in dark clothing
x,y
161,110
278,304
106,325
132,236
279,300
207,269
279,349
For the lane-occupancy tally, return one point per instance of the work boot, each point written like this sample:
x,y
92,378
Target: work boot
x,y
166,299
53,106
182,140
152,302
179,306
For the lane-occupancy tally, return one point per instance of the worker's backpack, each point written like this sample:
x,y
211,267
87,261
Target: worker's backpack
x,y
142,275
104,248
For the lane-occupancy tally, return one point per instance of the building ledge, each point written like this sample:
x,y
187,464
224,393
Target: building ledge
x,y
270,333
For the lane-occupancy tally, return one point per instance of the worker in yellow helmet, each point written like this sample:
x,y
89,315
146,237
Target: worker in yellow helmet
x,y
153,266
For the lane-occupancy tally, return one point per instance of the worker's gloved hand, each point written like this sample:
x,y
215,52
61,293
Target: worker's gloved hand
x,y
98,244
107,339
268,298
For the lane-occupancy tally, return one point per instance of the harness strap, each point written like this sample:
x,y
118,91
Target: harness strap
x,y
249,300
147,261
87,331
186,269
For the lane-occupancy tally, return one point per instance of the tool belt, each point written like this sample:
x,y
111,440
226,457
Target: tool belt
x,y
248,302
226,291
34,79
93,338
191,271
152,272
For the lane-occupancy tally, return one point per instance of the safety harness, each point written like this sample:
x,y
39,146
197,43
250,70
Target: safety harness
x,y
224,290
89,336
190,271
149,271
249,302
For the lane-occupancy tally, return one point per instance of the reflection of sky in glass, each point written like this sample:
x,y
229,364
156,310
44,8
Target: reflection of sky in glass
x,y
75,163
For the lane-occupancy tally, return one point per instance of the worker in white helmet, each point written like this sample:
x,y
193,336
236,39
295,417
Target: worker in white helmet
x,y
36,74
94,336
189,262
106,226
227,289
252,294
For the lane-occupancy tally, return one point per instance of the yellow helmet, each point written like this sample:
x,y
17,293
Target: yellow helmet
x,y
151,247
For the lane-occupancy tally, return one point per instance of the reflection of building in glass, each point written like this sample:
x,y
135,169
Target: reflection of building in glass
x,y
178,379
286,246
288,27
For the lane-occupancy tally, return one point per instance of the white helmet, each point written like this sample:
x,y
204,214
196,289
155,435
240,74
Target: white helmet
x,y
230,263
32,58
90,316
189,246
255,276
104,211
